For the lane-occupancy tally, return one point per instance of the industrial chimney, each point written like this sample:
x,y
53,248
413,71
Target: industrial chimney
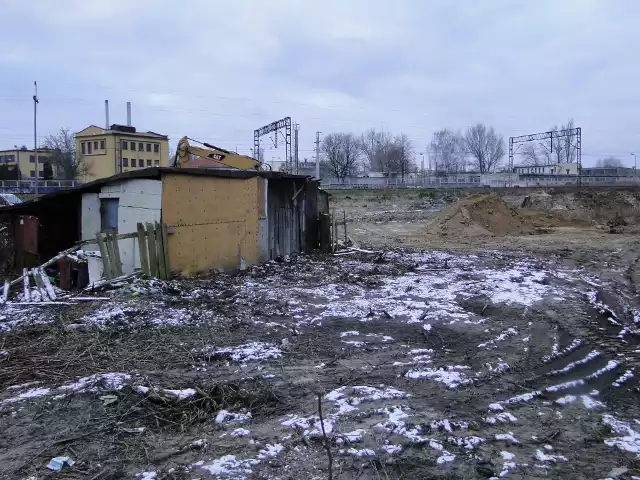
x,y
106,114
128,114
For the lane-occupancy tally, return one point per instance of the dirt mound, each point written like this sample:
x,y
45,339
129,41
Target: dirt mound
x,y
599,207
482,215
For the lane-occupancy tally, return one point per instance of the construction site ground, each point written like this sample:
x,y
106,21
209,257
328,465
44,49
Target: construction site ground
x,y
468,338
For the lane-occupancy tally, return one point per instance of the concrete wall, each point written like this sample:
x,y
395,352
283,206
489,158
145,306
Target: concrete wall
x,y
139,200
215,222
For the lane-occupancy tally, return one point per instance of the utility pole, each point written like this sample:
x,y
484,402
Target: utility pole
x,y
296,127
318,155
35,134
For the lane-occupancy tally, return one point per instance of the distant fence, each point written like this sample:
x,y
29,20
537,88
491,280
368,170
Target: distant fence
x,y
29,186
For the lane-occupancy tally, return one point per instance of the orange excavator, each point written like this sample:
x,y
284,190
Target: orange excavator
x,y
185,152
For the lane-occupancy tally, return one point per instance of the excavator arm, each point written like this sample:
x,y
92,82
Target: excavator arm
x,y
231,159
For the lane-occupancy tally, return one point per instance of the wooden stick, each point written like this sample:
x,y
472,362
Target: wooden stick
x,y
151,242
5,293
142,245
25,285
162,271
325,439
346,239
106,266
47,284
165,243
38,281
116,253
335,233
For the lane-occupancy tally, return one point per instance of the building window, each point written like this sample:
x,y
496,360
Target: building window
x,y
148,147
11,158
32,158
83,148
141,163
148,163
156,163
141,147
125,145
95,145
133,146
40,174
32,174
89,148
125,162
156,147
101,144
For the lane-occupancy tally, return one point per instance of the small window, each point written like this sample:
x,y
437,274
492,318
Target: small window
x,y
40,174
2,158
148,147
156,147
141,163
148,163
11,158
125,145
83,147
101,144
141,147
133,146
156,163
95,145
89,148
125,162
32,174
32,158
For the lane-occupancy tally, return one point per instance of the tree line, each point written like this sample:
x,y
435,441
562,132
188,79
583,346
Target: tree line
x,y
345,154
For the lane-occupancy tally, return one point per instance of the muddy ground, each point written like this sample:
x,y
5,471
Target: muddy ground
x,y
505,357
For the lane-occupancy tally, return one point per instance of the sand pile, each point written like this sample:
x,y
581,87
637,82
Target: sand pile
x,y
480,215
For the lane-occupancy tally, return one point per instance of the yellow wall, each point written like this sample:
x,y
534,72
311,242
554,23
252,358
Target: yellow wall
x,y
110,160
214,220
23,158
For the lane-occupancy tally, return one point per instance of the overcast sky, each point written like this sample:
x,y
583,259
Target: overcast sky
x,y
216,70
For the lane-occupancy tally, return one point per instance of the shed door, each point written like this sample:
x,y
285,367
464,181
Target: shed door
x,y
108,214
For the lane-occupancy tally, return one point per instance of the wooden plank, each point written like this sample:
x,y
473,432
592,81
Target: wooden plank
x,y
120,236
162,270
50,261
47,284
346,238
112,256
116,253
25,285
104,253
5,293
44,297
334,233
165,244
151,243
142,245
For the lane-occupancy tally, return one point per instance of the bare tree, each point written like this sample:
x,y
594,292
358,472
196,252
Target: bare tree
x,y
400,155
447,148
486,146
611,162
342,152
376,147
65,158
559,149
530,155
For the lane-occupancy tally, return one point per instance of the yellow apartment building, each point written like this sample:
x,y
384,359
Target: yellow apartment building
x,y
25,160
120,149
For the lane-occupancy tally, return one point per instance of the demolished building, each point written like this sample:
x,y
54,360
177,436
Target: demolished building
x,y
216,219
